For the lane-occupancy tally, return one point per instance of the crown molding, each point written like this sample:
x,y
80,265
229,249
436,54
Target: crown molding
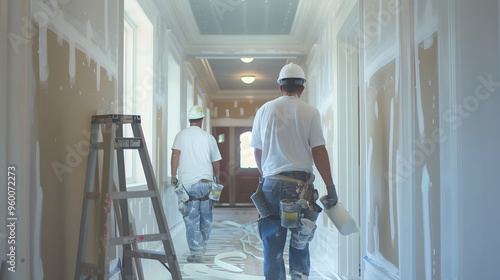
x,y
207,80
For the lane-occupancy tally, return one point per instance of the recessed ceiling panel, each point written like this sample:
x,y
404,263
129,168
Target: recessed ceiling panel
x,y
244,17
227,73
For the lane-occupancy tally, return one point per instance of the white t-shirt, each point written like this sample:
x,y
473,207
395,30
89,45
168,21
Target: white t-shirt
x,y
198,151
286,129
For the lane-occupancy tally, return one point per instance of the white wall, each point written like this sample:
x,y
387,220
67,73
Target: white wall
x,y
477,57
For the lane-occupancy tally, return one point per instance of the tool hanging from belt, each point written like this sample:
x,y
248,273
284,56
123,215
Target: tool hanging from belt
x,y
305,188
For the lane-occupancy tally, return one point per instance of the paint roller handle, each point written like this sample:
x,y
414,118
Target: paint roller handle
x,y
331,198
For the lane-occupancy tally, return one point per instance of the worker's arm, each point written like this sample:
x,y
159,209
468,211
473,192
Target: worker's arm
x,y
174,163
322,162
216,167
258,159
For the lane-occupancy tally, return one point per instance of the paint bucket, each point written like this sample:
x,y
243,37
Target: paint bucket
x,y
181,193
260,203
312,214
303,234
215,191
289,213
341,218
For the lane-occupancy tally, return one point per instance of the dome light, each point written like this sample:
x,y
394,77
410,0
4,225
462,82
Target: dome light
x,y
247,59
248,79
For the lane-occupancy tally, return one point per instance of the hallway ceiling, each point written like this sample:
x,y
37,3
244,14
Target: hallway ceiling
x,y
214,34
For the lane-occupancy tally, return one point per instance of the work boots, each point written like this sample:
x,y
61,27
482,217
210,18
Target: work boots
x,y
298,276
195,258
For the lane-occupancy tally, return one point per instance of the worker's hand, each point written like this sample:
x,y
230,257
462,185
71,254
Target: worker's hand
x,y
174,181
216,179
331,199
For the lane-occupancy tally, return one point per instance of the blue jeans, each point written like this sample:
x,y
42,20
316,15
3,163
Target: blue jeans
x,y
199,218
273,235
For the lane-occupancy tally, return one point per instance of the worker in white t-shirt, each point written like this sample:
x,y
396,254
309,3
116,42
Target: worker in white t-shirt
x,y
196,162
287,140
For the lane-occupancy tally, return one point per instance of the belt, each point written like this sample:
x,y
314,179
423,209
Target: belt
x,y
192,198
205,198
286,178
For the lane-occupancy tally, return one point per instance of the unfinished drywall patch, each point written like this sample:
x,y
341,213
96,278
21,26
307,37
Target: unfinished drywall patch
x,y
51,15
235,109
383,136
65,112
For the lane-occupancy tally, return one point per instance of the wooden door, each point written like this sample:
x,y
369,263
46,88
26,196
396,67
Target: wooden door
x,y
246,174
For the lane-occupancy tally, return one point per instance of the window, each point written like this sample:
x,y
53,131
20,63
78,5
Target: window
x,y
137,83
247,159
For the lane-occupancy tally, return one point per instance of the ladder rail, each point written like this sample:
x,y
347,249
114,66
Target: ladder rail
x,y
123,202
160,215
104,205
86,207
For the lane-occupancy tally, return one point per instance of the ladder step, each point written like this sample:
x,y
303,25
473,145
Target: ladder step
x,y
128,143
146,254
127,195
138,238
116,119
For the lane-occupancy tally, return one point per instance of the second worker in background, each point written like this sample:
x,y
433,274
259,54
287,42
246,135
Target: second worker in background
x,y
196,161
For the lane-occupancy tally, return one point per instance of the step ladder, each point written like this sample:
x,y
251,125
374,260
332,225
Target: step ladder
x,y
105,196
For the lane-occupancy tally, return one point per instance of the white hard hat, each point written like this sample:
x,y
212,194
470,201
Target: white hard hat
x,y
195,113
291,71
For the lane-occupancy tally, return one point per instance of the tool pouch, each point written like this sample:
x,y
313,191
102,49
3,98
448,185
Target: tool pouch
x,y
260,202
182,195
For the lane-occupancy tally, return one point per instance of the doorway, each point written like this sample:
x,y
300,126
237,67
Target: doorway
x,y
238,173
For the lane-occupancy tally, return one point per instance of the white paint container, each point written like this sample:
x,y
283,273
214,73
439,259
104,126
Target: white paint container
x,y
289,209
215,191
341,219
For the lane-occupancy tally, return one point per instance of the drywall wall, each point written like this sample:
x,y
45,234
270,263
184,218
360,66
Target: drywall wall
x,y
380,131
236,109
382,136
65,111
75,65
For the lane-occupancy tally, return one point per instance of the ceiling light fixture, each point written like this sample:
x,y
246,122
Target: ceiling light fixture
x,y
248,79
246,59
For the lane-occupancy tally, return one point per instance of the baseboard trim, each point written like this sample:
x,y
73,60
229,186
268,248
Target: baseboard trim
x,y
374,271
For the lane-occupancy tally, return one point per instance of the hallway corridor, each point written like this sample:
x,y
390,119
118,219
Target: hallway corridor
x,y
407,93
234,230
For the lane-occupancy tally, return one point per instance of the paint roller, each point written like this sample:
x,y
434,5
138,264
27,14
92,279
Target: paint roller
x,y
339,216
